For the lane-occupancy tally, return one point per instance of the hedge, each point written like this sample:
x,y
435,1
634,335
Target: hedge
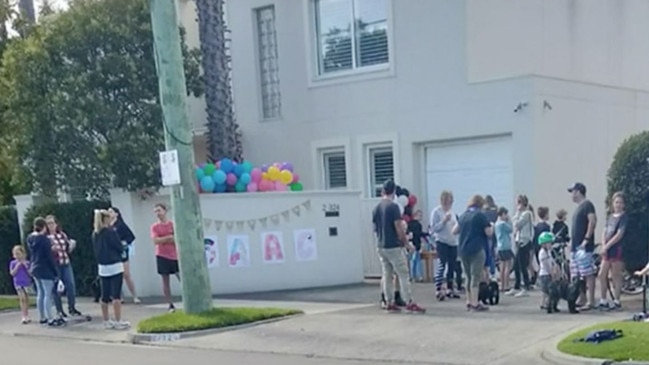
x,y
76,220
9,237
629,173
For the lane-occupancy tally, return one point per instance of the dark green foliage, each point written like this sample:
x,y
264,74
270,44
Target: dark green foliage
x,y
9,237
629,173
76,220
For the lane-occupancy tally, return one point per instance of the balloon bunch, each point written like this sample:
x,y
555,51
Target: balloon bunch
x,y
227,176
406,202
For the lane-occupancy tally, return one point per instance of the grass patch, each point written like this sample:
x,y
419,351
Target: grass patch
x,y
180,321
631,346
11,303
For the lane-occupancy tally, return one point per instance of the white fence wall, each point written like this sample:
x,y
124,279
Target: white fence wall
x,y
371,264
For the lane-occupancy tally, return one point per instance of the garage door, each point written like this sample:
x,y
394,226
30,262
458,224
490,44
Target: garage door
x,y
475,167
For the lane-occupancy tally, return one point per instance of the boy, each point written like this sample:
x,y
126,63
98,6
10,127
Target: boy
x,y
503,231
546,266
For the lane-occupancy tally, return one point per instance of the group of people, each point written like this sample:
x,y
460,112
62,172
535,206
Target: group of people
x,y
49,267
485,236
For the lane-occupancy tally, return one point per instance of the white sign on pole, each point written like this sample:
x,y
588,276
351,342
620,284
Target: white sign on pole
x,y
169,168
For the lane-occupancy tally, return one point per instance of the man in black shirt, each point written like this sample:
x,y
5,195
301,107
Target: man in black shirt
x,y
391,237
584,221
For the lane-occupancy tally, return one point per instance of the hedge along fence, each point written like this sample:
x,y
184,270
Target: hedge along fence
x,y
76,220
9,237
629,173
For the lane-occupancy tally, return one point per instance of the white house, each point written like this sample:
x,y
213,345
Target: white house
x,y
477,96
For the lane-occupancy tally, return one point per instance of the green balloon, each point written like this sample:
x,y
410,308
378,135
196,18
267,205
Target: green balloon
x,y
240,187
209,169
297,187
247,166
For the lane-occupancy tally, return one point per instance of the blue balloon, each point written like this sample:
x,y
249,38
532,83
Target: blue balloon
x,y
239,170
199,174
220,188
207,183
245,178
219,177
247,166
226,165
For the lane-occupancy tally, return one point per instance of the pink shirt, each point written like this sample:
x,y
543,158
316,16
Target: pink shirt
x,y
166,250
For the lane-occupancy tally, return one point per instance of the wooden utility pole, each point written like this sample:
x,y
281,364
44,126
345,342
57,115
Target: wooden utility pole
x,y
184,200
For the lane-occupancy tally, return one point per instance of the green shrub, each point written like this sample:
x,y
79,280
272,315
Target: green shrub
x,y
9,236
76,221
629,173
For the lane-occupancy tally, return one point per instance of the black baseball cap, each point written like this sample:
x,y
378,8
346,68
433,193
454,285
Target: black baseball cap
x,y
578,187
389,187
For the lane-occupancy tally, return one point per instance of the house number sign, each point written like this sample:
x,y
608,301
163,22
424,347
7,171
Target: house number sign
x,y
331,210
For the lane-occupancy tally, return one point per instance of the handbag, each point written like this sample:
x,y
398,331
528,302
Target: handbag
x,y
60,287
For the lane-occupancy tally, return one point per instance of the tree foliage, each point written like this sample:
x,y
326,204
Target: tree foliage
x,y
9,236
629,173
81,95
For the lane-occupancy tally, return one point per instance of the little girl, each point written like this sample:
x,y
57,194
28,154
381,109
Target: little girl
x,y
19,270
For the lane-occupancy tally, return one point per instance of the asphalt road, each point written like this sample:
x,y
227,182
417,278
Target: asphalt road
x,y
38,351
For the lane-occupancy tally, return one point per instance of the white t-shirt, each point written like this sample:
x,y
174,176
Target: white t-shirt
x,y
106,271
545,262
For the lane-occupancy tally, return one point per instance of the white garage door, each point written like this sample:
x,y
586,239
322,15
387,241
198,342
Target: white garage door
x,y
468,168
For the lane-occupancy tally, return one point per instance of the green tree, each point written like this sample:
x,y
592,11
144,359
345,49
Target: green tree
x,y
81,91
223,133
629,173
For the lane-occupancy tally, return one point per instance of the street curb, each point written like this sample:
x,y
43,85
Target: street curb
x,y
554,356
161,338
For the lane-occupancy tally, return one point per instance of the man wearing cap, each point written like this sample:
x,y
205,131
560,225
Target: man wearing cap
x,y
584,221
391,239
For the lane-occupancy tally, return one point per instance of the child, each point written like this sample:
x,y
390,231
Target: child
x,y
546,269
503,231
415,231
19,270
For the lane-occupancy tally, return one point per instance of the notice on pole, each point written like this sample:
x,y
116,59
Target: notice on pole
x,y
169,168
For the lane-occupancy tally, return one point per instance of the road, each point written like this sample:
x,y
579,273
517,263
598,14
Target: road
x,y
38,351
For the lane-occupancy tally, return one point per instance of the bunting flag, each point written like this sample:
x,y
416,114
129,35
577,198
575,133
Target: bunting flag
x,y
207,224
252,223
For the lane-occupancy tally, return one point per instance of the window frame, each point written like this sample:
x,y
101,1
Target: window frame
x,y
355,74
258,55
325,175
372,151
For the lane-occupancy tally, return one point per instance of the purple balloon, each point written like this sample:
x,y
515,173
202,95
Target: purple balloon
x,y
264,168
287,166
231,179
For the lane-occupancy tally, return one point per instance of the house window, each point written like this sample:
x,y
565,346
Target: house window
x,y
351,34
334,169
381,160
271,98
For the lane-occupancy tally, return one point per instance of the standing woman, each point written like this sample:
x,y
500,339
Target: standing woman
x,y
613,239
127,237
523,234
442,221
474,229
491,211
62,247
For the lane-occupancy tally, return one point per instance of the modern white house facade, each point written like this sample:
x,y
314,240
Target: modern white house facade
x,y
477,96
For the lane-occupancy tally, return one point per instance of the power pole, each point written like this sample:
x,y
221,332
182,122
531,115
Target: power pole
x,y
197,296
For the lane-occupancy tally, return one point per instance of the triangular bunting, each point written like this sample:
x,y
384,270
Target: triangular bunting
x,y
307,204
286,214
218,225
296,210
240,225
274,218
229,225
251,224
263,221
207,224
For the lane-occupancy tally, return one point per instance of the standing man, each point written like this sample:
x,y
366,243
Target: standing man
x,y
162,233
391,236
582,265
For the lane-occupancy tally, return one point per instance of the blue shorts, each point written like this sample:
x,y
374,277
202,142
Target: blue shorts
x,y
581,264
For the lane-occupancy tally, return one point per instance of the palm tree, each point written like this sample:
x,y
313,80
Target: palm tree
x,y
27,10
223,134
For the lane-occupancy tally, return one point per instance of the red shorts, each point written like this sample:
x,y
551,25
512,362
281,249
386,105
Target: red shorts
x,y
614,254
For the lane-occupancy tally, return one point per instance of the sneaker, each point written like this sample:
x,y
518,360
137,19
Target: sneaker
x,y
63,315
522,293
479,308
392,308
603,305
616,305
440,296
137,300
74,312
109,324
42,321
172,308
26,321
414,308
121,325
452,295
510,292
59,322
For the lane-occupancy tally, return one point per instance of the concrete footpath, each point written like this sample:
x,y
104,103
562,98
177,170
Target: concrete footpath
x,y
345,323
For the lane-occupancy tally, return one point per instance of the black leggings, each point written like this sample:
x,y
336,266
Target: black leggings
x,y
521,264
111,287
447,264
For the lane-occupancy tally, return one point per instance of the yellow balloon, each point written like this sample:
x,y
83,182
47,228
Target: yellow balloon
x,y
273,173
286,177
264,176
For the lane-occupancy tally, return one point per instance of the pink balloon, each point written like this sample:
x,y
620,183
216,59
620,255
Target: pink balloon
x,y
264,185
296,178
231,179
280,187
252,187
256,175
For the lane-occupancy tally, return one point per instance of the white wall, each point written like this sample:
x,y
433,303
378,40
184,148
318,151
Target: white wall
x,y
339,258
598,41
